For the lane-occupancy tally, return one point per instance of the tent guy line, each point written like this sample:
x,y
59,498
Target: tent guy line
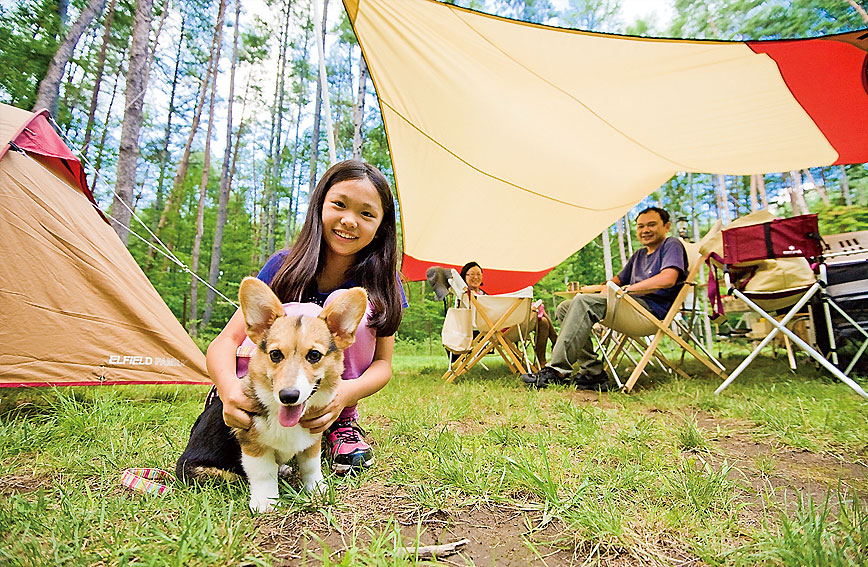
x,y
166,251
171,257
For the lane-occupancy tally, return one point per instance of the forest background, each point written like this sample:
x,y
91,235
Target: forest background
x,y
205,120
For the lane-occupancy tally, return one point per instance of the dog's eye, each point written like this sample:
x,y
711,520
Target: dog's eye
x,y
314,356
276,356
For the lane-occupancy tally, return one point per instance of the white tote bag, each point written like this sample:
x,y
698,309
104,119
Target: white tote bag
x,y
457,330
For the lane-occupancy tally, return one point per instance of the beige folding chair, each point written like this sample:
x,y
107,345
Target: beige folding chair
x,y
636,324
494,316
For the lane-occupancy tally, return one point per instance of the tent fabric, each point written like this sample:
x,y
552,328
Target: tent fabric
x,y
515,144
77,309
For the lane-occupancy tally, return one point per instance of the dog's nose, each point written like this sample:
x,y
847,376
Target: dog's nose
x,y
289,395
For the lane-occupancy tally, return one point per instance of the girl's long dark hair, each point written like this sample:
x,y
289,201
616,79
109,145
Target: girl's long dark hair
x,y
376,264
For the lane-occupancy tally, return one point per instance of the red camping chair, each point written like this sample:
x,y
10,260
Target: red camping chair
x,y
797,237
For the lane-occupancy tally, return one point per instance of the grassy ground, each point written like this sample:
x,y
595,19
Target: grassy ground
x,y
772,472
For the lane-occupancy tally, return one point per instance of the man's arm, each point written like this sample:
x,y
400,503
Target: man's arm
x,y
667,278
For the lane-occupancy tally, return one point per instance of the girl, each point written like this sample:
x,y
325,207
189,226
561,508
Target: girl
x,y
348,239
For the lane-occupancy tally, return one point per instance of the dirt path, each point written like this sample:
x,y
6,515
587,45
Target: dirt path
x,y
779,472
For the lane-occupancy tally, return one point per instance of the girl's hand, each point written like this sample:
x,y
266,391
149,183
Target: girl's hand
x,y
237,407
318,420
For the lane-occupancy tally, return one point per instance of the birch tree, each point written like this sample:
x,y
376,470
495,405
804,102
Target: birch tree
x,y
206,168
314,139
845,186
97,82
223,198
821,189
722,199
174,199
167,133
49,87
359,108
128,152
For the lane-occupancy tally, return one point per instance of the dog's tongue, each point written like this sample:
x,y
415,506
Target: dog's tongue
x,y
288,416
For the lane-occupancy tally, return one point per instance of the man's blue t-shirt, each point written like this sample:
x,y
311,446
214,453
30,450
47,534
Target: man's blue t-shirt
x,y
641,266
312,293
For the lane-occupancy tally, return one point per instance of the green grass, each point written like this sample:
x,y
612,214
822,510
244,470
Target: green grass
x,y
640,477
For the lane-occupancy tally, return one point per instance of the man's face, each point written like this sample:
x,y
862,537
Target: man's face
x,y
651,230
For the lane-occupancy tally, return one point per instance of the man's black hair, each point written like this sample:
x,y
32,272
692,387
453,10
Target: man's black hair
x,y
664,216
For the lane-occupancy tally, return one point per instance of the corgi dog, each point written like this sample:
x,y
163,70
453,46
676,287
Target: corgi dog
x,y
296,365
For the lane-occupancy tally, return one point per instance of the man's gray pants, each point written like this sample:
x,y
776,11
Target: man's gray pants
x,y
573,348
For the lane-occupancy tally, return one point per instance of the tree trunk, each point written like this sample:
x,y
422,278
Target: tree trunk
x,y
359,109
797,194
97,82
754,204
845,187
319,32
108,114
239,133
761,189
859,9
164,151
628,231
295,196
290,210
621,248
314,140
49,87
276,142
203,185
723,199
174,200
128,151
223,199
821,189
607,255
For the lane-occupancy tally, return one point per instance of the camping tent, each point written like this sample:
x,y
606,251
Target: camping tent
x,y
77,309
515,144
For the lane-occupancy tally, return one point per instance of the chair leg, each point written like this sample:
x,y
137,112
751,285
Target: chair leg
x,y
702,348
781,327
791,358
672,367
643,361
856,325
602,348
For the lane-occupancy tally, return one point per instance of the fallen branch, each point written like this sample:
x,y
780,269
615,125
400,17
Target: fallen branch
x,y
430,551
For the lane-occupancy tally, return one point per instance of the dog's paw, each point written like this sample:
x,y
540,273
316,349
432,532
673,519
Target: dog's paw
x,y
316,486
261,505
285,471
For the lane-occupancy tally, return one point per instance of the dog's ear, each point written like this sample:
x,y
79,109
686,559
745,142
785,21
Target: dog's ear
x,y
344,314
260,307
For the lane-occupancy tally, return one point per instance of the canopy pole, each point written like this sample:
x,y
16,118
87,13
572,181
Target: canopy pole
x,y
323,79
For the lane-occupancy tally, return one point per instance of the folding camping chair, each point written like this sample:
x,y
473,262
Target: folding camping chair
x,y
635,324
796,237
495,317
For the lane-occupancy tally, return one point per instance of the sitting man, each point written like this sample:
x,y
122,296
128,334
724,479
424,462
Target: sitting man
x,y
654,274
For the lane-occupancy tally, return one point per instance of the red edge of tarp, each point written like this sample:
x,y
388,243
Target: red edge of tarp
x,y
38,136
495,281
828,79
99,383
